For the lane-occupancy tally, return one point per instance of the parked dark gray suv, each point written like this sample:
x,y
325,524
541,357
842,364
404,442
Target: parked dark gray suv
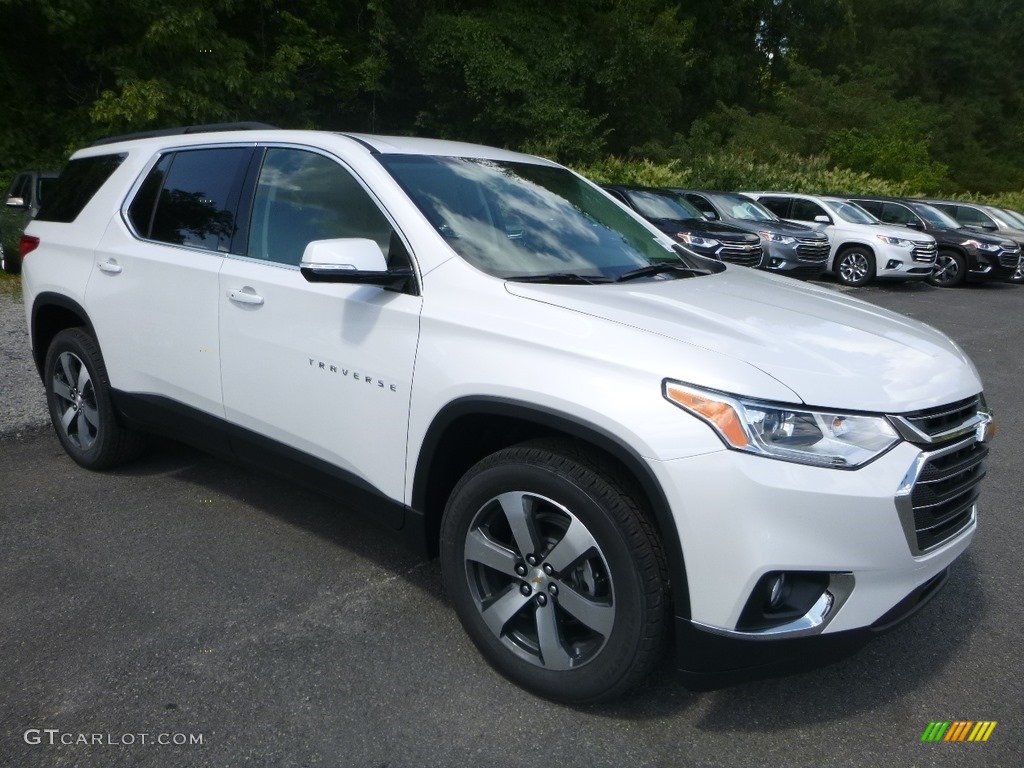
x,y
670,213
21,204
964,253
790,249
985,218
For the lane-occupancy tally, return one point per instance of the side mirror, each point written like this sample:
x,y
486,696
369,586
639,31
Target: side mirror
x,y
914,225
710,215
986,226
16,202
351,260
821,218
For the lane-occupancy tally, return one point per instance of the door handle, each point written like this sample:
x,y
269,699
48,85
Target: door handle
x,y
245,296
109,266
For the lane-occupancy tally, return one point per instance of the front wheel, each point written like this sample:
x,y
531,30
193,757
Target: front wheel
x,y
1018,276
78,396
950,270
855,266
555,572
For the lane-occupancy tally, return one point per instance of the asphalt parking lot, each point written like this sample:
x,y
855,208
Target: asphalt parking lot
x,y
186,599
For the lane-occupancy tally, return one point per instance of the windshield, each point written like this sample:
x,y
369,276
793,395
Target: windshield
x,y
852,213
936,217
521,220
1002,217
658,205
744,209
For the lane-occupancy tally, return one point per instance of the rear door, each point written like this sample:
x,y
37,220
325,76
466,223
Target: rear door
x,y
322,368
153,295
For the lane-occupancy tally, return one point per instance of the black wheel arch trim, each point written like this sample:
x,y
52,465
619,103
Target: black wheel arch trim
x,y
553,420
47,299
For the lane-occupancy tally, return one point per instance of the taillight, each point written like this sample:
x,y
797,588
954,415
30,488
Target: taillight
x,y
28,244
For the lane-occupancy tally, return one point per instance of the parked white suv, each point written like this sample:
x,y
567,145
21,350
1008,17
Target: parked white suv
x,y
863,248
610,441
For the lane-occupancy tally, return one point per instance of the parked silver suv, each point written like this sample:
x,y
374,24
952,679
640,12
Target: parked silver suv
x,y
863,248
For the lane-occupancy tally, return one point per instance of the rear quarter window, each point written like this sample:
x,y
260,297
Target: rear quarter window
x,y
78,182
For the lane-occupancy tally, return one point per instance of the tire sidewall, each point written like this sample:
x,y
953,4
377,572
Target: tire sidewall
x,y
961,265
844,254
604,672
79,343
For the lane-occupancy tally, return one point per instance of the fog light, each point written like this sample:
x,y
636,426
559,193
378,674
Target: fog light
x,y
780,597
893,264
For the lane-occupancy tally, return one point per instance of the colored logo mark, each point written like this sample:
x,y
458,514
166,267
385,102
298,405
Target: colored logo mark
x,y
959,730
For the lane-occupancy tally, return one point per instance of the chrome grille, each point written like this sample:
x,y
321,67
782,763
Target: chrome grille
x,y
812,250
747,256
945,422
936,500
945,493
924,252
1009,258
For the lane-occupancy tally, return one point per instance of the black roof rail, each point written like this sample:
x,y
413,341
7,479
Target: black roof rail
x,y
180,130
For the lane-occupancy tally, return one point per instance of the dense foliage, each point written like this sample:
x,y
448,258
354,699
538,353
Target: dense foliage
x,y
844,95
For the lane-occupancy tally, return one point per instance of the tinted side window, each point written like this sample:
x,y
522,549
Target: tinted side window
x,y
871,206
806,210
19,188
897,214
197,203
777,205
973,217
141,210
78,182
701,204
302,196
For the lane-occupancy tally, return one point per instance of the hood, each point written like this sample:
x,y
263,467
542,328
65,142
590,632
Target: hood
x,y
785,228
982,236
831,350
704,228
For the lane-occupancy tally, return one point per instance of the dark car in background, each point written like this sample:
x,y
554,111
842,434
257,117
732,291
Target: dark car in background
x,y
670,213
21,204
964,253
985,218
790,249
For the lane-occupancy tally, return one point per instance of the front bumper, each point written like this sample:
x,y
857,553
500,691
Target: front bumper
x,y
895,263
742,517
805,259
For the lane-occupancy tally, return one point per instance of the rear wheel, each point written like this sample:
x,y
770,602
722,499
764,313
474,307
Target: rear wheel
x,y
950,270
855,266
78,396
555,572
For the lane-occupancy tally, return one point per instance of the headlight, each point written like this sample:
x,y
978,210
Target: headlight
x,y
789,433
899,241
700,242
777,238
980,245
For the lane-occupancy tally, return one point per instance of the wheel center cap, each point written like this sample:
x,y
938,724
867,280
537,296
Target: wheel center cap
x,y
537,578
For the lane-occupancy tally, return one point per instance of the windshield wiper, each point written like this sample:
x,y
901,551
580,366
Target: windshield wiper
x,y
658,269
565,278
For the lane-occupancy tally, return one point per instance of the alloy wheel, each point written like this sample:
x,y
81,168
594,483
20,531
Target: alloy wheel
x,y
540,581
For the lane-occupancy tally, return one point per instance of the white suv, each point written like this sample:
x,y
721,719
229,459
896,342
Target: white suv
x,y
609,441
863,248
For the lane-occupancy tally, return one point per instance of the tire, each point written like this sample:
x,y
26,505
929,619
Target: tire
x,y
950,270
1018,276
78,396
582,615
855,266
